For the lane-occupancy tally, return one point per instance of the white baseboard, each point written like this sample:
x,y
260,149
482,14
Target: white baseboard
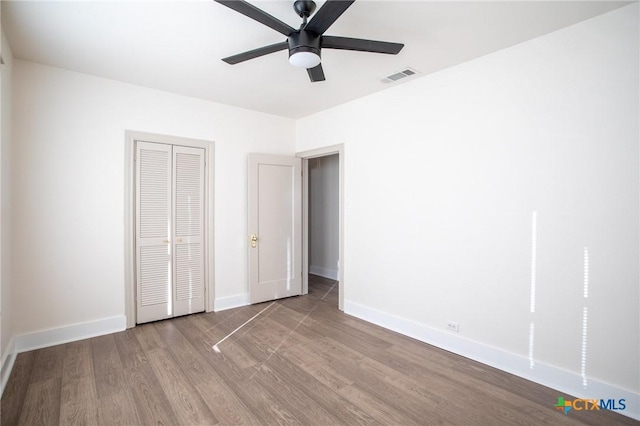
x,y
69,333
8,359
564,381
332,274
230,302
55,336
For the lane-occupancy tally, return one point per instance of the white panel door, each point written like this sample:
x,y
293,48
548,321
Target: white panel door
x,y
188,224
153,248
275,228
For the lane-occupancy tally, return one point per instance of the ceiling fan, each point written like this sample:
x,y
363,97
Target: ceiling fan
x,y
305,44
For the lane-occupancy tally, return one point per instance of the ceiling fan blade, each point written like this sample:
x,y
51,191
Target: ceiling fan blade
x,y
316,73
346,43
327,15
255,53
250,11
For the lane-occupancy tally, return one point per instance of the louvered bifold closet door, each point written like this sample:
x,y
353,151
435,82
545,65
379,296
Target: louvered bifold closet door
x,y
188,224
153,222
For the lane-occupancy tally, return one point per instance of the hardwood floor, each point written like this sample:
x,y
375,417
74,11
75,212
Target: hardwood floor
x,y
300,362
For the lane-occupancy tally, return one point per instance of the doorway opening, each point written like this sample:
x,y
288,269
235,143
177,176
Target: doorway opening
x,y
322,256
323,225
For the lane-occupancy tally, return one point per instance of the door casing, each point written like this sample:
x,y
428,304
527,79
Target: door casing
x,y
129,215
306,156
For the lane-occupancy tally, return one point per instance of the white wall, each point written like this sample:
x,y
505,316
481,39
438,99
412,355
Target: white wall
x,y
443,175
6,330
323,216
69,132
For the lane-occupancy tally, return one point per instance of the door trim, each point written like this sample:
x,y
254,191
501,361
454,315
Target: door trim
x,y
129,215
306,156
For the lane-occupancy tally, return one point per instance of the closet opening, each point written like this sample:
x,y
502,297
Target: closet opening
x,y
168,227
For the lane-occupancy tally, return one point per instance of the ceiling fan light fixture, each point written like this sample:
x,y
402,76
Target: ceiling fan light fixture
x,y
304,59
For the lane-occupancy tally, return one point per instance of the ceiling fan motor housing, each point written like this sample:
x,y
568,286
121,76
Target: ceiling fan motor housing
x,y
304,8
304,41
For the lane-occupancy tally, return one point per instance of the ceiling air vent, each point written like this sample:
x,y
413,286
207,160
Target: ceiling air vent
x,y
407,72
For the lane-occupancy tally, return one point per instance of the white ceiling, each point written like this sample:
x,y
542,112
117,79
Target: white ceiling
x,y
176,46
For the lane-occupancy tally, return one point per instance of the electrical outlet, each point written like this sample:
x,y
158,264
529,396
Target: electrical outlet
x,y
453,326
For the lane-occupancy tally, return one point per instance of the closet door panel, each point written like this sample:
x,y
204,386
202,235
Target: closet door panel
x,y
188,220
153,248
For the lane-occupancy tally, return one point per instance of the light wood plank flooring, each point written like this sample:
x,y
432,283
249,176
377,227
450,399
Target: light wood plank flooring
x,y
300,362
